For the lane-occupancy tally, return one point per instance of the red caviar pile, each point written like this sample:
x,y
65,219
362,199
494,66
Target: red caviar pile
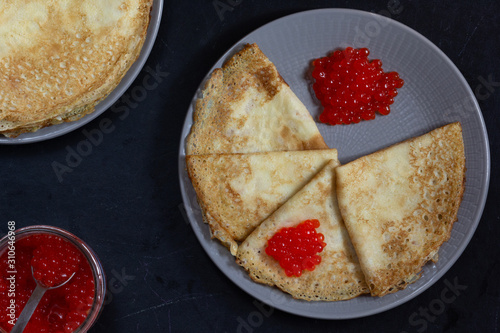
x,y
351,88
296,248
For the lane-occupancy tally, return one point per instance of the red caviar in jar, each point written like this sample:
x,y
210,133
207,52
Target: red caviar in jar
x,y
54,263
296,248
62,309
351,88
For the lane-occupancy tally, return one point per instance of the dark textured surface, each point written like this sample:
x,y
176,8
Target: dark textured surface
x,y
123,196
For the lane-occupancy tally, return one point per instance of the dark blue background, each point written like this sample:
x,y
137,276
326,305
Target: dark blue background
x,y
124,200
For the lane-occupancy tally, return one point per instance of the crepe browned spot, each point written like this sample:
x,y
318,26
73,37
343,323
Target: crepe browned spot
x,y
237,191
399,205
58,59
338,276
246,107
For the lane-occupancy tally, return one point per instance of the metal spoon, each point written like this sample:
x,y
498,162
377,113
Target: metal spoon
x,y
32,303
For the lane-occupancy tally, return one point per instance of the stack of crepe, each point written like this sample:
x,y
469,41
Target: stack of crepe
x,y
59,59
258,163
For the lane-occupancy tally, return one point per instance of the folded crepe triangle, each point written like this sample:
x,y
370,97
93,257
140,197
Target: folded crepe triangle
x,y
338,276
399,205
236,192
247,107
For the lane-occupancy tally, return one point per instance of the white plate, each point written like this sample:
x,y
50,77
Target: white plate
x,y
434,94
60,129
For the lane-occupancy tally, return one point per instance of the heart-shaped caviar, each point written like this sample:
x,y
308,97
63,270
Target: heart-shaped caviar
x,y
296,248
351,88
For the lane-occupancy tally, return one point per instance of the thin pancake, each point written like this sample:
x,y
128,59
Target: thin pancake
x,y
399,205
237,191
58,59
338,276
247,107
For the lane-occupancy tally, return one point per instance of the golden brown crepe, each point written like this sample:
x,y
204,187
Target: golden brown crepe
x,y
338,276
237,191
247,107
58,59
399,205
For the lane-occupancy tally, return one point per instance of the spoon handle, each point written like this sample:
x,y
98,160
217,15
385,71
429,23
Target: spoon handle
x,y
29,308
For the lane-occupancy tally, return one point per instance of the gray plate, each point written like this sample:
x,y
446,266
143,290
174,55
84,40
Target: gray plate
x,y
60,129
435,93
